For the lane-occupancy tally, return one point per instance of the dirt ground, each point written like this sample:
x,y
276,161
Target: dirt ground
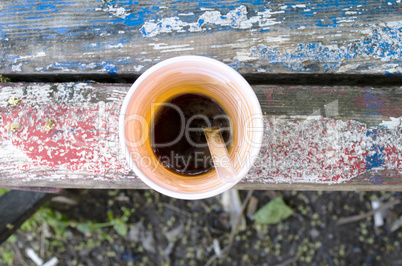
x,y
143,227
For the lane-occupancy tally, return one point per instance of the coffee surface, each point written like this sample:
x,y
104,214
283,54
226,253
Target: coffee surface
x,y
177,138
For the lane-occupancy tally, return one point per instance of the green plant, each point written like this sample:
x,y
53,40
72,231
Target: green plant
x,y
119,224
4,79
3,191
6,257
58,223
273,212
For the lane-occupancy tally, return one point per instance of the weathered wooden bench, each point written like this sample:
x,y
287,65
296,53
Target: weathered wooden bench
x,y
328,77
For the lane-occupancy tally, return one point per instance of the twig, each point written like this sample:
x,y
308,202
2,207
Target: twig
x,y
177,209
42,241
359,217
234,228
226,250
18,254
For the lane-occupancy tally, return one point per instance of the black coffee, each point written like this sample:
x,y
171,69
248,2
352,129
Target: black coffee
x,y
177,138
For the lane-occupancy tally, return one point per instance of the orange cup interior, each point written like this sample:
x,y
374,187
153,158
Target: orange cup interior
x,y
160,86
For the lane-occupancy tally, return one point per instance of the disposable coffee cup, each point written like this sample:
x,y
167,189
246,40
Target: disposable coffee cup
x,y
179,76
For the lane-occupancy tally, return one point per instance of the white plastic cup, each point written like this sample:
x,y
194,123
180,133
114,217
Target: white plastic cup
x,y
174,77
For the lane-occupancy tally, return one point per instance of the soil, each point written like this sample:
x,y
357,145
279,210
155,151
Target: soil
x,y
166,231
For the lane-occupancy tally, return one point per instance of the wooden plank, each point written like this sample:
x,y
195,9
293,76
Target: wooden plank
x,y
16,207
125,36
315,137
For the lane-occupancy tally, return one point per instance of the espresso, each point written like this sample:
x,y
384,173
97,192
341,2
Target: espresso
x,y
177,138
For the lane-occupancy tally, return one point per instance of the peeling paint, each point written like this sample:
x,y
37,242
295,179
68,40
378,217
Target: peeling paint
x,y
89,36
322,150
84,139
393,124
382,43
236,19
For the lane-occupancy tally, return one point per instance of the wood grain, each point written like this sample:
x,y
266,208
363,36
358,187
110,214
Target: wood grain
x,y
125,36
332,138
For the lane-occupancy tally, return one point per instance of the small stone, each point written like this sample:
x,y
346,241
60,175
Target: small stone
x,y
135,232
148,242
314,233
174,233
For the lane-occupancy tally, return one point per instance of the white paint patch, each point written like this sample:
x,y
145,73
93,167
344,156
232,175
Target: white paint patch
x,y
394,123
236,19
222,45
348,67
177,50
171,48
299,6
116,11
11,154
346,20
276,39
16,68
244,56
119,45
265,19
23,57
186,14
392,24
162,46
392,68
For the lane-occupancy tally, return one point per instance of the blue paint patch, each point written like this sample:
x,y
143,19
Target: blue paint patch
x,y
11,57
375,158
385,44
235,65
61,30
375,155
51,36
123,40
376,180
372,102
44,5
108,67
30,18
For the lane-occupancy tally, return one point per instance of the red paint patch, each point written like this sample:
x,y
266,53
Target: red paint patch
x,y
80,140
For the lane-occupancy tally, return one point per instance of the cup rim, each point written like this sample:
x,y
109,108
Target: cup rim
x,y
257,140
